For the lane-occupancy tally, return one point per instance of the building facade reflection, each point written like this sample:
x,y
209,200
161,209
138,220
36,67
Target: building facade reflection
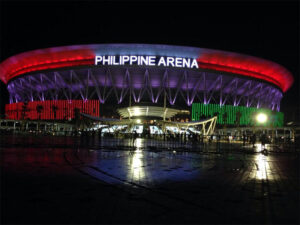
x,y
135,160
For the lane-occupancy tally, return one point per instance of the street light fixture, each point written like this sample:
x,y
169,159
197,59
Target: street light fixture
x,y
261,118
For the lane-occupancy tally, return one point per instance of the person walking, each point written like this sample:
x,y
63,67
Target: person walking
x,y
244,139
263,141
253,140
219,142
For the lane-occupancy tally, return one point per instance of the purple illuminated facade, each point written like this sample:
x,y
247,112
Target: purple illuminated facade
x,y
144,84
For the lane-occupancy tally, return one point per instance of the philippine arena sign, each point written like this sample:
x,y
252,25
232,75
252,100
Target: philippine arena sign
x,y
139,60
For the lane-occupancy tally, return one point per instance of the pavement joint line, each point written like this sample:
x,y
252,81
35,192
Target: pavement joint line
x,y
152,190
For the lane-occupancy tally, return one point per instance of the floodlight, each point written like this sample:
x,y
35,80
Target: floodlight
x,y
261,117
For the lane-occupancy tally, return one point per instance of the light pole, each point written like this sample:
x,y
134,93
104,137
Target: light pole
x,y
261,118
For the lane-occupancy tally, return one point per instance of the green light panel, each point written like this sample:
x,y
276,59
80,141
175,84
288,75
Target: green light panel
x,y
247,114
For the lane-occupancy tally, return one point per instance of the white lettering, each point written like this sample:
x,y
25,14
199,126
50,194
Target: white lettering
x,y
170,61
125,59
133,58
194,64
186,63
106,60
115,63
146,61
162,61
178,62
151,61
98,59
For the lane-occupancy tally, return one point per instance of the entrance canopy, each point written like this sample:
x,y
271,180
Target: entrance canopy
x,y
207,125
150,111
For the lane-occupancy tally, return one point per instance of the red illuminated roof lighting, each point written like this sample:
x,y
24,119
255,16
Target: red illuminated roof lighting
x,y
83,55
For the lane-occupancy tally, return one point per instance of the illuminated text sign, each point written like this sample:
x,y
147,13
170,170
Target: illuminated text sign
x,y
146,61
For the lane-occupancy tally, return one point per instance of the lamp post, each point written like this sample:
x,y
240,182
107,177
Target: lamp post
x,y
262,118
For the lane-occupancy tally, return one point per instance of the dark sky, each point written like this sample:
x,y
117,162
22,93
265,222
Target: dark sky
x,y
265,29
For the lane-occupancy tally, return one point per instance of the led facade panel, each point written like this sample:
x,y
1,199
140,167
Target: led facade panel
x,y
236,115
51,110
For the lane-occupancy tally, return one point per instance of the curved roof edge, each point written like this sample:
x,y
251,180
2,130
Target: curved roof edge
x,y
78,55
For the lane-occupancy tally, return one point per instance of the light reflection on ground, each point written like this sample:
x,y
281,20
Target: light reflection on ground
x,y
137,170
214,187
261,162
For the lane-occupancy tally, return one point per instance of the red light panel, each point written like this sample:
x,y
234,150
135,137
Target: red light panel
x,y
64,111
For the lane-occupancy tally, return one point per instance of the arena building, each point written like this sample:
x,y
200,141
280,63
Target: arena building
x,y
101,80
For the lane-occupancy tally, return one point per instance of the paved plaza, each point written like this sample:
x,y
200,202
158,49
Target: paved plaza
x,y
75,184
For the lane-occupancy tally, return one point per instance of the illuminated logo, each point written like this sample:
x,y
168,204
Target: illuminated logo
x,y
146,61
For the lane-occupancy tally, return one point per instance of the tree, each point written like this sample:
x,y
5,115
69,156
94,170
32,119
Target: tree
x,y
54,109
39,109
77,117
238,118
216,114
24,110
77,114
225,118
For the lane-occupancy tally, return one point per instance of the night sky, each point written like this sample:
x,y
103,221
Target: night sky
x,y
269,30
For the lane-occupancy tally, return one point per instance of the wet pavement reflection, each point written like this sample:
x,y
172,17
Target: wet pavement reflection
x,y
145,185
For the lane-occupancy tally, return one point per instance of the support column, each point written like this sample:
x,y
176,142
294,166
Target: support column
x,y
165,105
